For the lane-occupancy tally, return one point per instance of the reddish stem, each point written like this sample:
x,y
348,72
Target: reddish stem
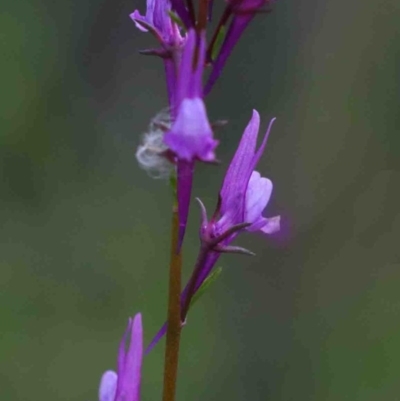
x,y
174,314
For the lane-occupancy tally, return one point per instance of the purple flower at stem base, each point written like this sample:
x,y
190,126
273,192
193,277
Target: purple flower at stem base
x,y
125,384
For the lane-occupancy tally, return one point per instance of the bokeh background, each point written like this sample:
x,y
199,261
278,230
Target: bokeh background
x,y
84,232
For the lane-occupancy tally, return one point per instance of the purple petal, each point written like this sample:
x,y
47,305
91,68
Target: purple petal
x,y
260,150
159,13
129,380
190,75
258,193
136,16
237,177
150,7
108,386
157,16
272,225
191,135
186,66
196,86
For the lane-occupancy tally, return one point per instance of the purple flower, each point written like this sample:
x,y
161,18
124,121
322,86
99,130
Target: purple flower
x,y
243,197
125,386
158,20
191,136
245,194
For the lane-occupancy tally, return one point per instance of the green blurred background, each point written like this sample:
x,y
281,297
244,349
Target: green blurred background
x,y
84,231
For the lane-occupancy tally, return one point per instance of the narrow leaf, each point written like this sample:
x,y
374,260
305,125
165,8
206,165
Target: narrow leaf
x,y
206,285
218,42
173,184
175,18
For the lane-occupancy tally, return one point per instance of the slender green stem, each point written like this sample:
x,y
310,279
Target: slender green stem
x,y
174,314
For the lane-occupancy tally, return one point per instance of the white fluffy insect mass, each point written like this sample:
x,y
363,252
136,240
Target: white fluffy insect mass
x,y
150,153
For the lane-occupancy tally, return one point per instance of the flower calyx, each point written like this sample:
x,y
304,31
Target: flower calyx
x,y
214,241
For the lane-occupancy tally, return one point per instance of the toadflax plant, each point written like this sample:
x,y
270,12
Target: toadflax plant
x,y
178,139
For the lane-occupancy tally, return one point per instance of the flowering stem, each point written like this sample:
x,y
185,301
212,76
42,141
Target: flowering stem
x,y
206,250
203,15
174,313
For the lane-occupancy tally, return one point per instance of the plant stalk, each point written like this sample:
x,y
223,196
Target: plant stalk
x,y
174,313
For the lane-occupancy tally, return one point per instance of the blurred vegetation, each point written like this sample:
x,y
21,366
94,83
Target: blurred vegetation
x,y
84,231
